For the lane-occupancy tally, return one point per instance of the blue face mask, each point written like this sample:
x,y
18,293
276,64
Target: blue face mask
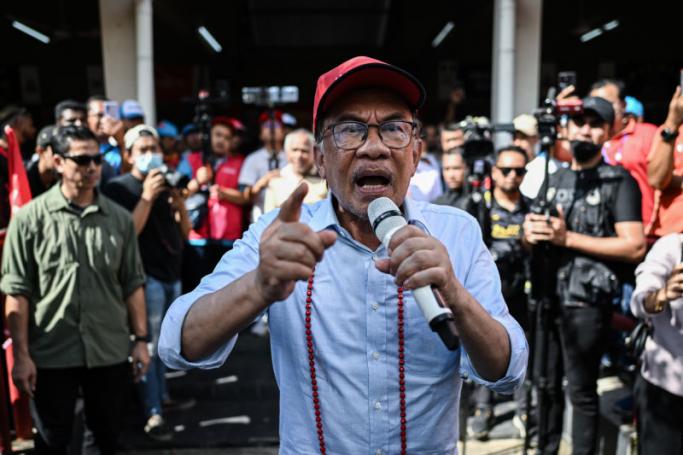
x,y
148,161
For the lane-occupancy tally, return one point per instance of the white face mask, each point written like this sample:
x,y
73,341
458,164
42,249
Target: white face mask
x,y
148,161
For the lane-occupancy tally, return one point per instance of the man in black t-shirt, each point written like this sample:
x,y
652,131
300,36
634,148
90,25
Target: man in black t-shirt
x,y
596,234
41,173
162,224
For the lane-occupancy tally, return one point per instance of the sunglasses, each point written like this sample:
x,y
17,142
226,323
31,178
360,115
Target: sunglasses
x,y
520,171
85,160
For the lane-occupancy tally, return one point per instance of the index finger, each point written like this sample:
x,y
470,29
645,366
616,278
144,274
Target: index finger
x,y
290,210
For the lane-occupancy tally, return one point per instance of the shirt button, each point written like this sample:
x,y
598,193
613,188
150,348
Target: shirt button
x,y
378,405
375,307
375,355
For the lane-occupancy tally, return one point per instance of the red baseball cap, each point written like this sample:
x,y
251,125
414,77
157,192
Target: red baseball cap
x,y
363,72
265,116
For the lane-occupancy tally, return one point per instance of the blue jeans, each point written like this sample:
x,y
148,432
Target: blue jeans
x,y
158,297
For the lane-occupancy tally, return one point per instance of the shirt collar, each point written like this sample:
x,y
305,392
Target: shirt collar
x,y
325,216
56,201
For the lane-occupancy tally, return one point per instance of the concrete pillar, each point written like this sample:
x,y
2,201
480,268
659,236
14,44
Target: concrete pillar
x,y
528,34
117,22
128,52
145,59
503,80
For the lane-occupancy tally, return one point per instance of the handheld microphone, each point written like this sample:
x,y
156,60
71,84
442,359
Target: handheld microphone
x,y
386,219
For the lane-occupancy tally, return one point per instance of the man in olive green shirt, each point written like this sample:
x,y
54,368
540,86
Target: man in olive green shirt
x,y
73,278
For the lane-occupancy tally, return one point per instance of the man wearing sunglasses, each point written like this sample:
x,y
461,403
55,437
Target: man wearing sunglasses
x,y
73,278
507,213
597,236
358,368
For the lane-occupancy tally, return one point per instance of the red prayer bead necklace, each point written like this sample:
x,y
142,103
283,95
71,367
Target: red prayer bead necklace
x,y
314,383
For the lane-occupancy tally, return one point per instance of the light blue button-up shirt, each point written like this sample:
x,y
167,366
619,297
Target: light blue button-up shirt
x,y
354,326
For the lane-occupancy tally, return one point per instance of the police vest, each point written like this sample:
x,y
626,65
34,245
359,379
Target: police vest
x,y
588,199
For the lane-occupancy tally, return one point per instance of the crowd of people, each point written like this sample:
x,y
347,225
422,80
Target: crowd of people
x,y
126,216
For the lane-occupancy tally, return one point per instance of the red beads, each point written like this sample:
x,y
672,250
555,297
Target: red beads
x,y
314,383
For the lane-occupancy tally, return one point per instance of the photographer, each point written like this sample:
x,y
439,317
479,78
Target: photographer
x,y
596,230
507,212
161,224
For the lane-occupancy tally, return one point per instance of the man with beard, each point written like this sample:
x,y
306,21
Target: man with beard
x,y
507,212
358,368
596,232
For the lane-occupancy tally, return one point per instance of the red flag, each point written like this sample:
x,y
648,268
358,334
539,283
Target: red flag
x,y
19,189
19,194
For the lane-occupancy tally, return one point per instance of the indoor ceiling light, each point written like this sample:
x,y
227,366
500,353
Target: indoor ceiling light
x,y
33,33
609,26
210,40
442,34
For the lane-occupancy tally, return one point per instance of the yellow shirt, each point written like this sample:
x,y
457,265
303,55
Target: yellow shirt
x,y
280,188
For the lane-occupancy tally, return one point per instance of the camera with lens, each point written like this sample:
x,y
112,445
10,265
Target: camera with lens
x,y
174,179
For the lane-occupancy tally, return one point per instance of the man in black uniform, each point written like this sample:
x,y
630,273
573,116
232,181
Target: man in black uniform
x,y
507,213
454,171
596,232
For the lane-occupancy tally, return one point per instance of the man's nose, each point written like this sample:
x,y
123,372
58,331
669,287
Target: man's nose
x,y
373,146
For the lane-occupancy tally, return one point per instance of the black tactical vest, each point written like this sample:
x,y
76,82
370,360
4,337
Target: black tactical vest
x,y
588,199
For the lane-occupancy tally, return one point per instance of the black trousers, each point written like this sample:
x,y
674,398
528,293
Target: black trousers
x,y
104,392
659,419
483,396
576,343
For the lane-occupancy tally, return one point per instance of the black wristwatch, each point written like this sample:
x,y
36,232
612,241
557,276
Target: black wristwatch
x,y
669,135
142,338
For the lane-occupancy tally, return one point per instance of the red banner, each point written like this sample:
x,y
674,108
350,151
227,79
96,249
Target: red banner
x,y
19,194
19,189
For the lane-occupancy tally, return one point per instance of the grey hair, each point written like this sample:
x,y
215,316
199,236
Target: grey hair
x,y
304,131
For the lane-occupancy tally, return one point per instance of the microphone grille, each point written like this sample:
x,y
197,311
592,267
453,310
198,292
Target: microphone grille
x,y
379,206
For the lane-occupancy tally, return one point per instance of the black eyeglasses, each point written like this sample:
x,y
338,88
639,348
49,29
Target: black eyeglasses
x,y
350,135
520,171
85,160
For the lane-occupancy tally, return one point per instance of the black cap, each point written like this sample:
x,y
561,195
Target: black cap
x,y
45,136
601,107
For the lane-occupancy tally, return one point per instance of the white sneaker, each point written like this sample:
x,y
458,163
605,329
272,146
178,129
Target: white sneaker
x,y
157,429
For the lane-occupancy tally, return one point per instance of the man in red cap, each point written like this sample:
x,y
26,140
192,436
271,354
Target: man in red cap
x,y
358,367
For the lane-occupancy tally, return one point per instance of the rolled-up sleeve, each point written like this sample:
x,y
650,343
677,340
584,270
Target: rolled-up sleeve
x,y
652,273
483,282
235,263
19,272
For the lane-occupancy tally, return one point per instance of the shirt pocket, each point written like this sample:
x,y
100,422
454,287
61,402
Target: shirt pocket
x,y
104,247
54,255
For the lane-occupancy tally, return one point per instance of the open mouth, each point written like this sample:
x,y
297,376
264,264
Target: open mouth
x,y
372,180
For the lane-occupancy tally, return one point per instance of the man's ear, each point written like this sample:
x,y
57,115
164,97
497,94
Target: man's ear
x,y
319,159
417,153
58,162
127,155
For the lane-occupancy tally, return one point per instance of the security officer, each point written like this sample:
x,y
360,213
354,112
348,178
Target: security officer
x,y
596,232
507,213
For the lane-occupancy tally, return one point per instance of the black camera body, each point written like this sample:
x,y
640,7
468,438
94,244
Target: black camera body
x,y
174,179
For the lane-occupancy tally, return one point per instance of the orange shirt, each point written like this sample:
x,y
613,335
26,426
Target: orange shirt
x,y
669,216
630,148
